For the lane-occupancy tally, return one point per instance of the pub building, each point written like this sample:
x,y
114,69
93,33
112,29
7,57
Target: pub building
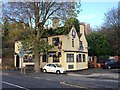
x,y
70,51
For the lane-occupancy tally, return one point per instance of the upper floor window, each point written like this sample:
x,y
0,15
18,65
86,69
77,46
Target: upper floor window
x,y
55,41
81,45
72,42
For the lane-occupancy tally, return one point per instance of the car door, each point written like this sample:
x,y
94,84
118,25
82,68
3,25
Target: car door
x,y
48,68
52,68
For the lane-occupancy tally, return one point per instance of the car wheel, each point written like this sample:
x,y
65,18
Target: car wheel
x,y
58,72
109,67
44,70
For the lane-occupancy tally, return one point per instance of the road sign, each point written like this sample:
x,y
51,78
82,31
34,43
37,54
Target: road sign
x,y
21,53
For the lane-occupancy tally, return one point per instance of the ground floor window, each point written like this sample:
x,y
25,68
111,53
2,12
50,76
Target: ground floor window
x,y
70,57
70,66
28,58
78,59
83,57
56,59
44,58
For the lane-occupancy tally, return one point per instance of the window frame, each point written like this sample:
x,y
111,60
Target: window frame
x,y
84,58
55,41
44,58
81,45
70,66
79,58
70,58
56,59
72,42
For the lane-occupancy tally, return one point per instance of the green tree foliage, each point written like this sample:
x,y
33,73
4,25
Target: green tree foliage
x,y
111,29
7,47
64,29
52,32
6,28
98,44
70,22
18,31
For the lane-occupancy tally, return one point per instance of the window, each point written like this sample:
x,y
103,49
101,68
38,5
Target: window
x,y
70,66
56,59
44,58
78,58
55,41
70,57
72,42
28,58
81,45
83,57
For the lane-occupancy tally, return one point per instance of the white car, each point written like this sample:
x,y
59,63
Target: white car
x,y
54,68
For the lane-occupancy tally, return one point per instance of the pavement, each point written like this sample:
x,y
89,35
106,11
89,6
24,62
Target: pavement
x,y
98,73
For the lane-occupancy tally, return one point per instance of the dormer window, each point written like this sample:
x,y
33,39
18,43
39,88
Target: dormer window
x,y
55,41
81,45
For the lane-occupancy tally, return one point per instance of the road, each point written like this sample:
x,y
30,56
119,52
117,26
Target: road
x,y
41,80
28,83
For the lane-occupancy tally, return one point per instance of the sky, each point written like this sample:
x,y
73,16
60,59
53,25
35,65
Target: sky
x,y
93,12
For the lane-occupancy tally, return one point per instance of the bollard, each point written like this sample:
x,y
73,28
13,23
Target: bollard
x,y
23,70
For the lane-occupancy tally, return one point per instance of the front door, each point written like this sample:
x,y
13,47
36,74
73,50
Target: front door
x,y
17,61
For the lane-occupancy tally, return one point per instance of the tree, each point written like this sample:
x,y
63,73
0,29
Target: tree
x,y
98,44
36,14
6,47
111,29
64,29
70,22
18,31
6,27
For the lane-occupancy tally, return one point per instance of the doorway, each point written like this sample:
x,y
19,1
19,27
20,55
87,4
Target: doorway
x,y
17,61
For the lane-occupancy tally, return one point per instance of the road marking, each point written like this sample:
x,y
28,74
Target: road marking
x,y
108,80
64,83
15,85
49,79
37,77
43,78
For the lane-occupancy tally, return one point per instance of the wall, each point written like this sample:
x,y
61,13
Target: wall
x,y
17,46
